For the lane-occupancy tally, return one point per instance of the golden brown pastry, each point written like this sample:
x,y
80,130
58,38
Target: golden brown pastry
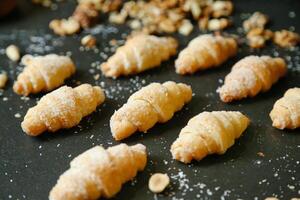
x,y
203,52
153,103
286,111
139,53
62,108
251,75
43,73
99,173
208,133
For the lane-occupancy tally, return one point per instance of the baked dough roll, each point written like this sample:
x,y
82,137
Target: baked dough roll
x,y
203,52
251,75
99,173
286,111
62,108
43,73
153,103
139,53
208,133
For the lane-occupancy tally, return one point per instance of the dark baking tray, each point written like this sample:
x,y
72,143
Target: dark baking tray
x,y
29,167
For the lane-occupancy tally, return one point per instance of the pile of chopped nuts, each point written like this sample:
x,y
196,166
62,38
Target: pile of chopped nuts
x,y
158,16
85,15
170,16
257,35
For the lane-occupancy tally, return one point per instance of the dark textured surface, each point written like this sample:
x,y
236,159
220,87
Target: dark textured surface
x,y
29,167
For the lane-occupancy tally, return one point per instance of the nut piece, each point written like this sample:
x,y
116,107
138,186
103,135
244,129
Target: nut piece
x,y
117,18
85,14
257,20
3,79
218,24
286,38
158,182
103,5
256,42
88,41
258,36
222,8
13,52
167,26
64,26
186,27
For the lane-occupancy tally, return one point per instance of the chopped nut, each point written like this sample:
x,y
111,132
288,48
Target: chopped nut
x,y
261,154
195,9
13,52
158,182
167,26
135,24
222,8
186,27
218,24
88,41
258,36
103,5
266,34
256,41
118,18
203,23
64,26
3,79
286,38
175,15
257,20
86,14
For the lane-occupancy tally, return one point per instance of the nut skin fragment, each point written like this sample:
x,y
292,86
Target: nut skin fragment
x,y
13,52
3,79
158,182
